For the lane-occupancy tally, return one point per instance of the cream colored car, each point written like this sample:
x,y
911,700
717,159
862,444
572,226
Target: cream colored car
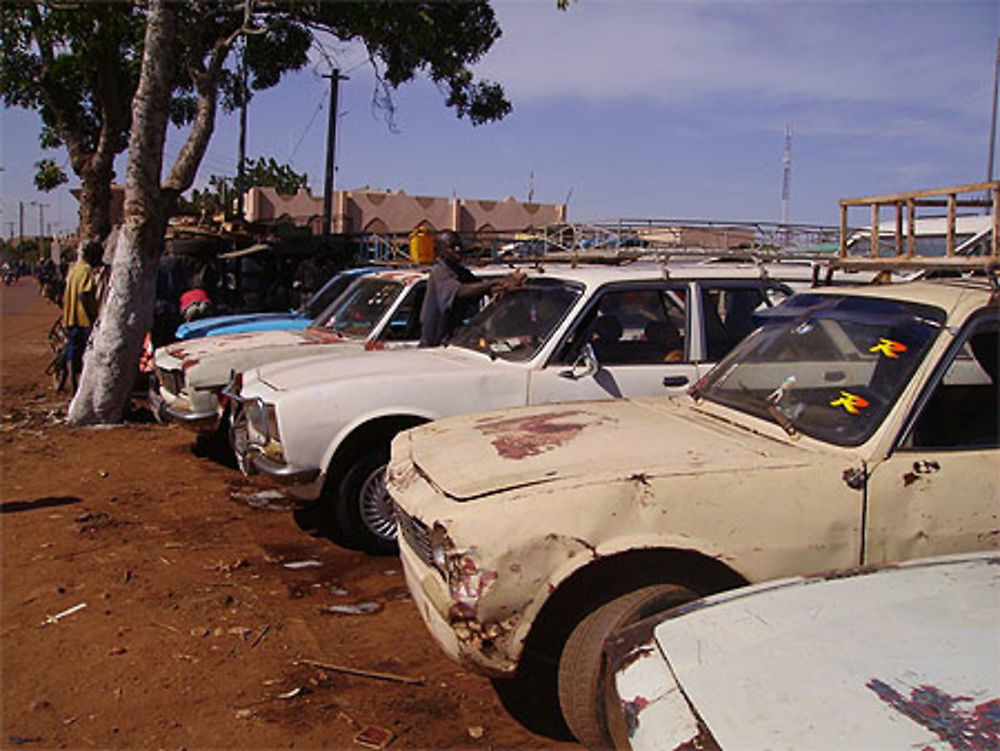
x,y
857,426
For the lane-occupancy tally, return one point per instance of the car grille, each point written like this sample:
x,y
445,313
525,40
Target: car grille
x,y
416,534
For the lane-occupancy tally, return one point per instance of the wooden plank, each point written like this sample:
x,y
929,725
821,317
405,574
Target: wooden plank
x,y
926,193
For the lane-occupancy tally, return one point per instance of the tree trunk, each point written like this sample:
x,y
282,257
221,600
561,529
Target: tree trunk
x,y
95,205
116,341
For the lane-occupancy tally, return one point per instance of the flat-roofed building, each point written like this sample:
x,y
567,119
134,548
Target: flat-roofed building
x,y
396,212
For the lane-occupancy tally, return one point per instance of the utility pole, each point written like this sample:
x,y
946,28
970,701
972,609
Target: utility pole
x,y
331,143
20,224
786,180
240,174
41,218
993,119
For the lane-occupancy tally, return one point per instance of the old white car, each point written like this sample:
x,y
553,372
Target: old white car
x,y
568,334
901,656
379,310
857,426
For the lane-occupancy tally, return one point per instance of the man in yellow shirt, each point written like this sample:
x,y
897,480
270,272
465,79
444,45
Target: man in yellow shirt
x,y
80,308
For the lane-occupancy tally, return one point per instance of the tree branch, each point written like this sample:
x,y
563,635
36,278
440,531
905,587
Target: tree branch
x,y
185,168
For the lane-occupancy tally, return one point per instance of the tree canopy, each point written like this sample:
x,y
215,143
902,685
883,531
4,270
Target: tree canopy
x,y
105,74
77,65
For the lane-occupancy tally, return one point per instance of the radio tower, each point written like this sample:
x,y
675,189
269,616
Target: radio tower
x,y
786,161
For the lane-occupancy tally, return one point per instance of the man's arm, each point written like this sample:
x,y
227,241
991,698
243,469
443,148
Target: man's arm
x,y
475,289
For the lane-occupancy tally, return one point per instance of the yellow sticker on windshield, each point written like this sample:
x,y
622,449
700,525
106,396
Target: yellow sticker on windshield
x,y
889,348
850,402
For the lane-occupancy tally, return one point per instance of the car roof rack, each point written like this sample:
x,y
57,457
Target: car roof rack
x,y
898,245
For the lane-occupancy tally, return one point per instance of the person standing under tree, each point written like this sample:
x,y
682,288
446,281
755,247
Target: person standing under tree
x,y
80,309
450,279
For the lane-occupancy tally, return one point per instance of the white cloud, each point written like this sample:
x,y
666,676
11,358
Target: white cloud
x,y
674,52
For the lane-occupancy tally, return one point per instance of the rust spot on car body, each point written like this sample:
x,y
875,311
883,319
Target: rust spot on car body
x,y
520,437
316,335
920,468
937,711
404,478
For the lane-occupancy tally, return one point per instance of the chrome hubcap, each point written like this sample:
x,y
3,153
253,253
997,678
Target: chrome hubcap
x,y
376,506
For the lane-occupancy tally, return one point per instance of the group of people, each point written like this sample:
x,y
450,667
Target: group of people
x,y
450,281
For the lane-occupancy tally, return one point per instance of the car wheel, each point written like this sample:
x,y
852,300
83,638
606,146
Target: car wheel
x,y
581,665
364,508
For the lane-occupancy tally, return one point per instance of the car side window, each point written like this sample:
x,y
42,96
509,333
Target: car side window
x,y
729,310
636,326
963,409
405,323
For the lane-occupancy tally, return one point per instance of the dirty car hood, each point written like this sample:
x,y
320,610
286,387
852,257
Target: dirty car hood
x,y
907,654
193,351
476,455
315,372
208,362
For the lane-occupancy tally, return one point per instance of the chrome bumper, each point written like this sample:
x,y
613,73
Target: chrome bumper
x,y
201,422
250,457
280,471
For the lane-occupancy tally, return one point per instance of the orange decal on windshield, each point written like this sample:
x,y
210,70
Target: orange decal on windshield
x,y
889,348
850,402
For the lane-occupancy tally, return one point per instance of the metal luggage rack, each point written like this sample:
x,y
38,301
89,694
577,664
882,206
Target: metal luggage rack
x,y
623,241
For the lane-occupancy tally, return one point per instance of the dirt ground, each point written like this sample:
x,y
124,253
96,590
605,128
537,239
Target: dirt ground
x,y
155,598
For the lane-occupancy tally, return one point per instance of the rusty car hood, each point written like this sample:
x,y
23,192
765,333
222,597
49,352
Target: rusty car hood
x,y
470,456
907,654
192,351
208,362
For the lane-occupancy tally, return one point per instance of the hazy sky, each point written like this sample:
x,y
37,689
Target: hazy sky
x,y
638,108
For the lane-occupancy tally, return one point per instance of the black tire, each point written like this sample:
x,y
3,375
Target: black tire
x,y
216,444
364,509
582,668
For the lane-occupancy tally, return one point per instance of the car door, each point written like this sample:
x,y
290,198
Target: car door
x,y
638,335
939,490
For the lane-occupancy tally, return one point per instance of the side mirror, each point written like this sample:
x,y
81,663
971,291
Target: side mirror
x,y
585,365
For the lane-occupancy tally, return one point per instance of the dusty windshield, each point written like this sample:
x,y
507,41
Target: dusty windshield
x,y
360,309
516,325
327,294
830,367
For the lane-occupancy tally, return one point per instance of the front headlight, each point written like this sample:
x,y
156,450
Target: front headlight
x,y
263,418
439,544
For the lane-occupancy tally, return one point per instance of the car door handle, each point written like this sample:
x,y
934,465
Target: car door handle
x,y
676,381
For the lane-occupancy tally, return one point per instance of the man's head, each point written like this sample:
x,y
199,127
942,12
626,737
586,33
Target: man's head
x,y
448,245
93,253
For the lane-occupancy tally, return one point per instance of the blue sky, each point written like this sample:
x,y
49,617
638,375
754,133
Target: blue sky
x,y
638,108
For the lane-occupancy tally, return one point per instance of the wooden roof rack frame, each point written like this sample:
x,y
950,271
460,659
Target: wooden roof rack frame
x,y
984,196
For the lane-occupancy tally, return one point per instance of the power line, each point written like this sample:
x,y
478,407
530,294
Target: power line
x,y
305,132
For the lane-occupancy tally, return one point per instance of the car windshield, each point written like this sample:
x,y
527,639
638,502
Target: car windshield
x,y
360,309
516,325
830,367
326,294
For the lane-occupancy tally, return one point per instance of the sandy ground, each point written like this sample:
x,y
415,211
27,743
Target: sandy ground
x,y
153,598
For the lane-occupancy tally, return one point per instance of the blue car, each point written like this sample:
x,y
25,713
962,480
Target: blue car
x,y
293,319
